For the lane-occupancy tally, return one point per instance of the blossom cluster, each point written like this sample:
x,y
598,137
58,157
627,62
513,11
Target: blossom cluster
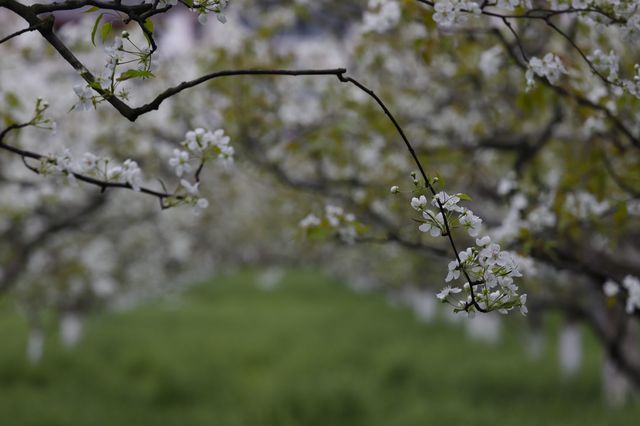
x,y
633,86
550,66
200,146
434,223
64,164
381,16
335,218
111,79
583,205
201,7
204,7
609,63
488,270
492,271
632,285
451,12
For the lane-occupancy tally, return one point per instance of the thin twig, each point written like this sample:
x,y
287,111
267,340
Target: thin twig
x,y
17,33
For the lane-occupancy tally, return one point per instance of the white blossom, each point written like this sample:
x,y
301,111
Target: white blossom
x,y
419,203
201,204
454,271
632,284
448,202
471,222
633,86
611,288
192,189
205,144
434,224
484,241
523,304
333,214
310,221
490,61
180,162
132,174
541,217
85,98
88,163
448,290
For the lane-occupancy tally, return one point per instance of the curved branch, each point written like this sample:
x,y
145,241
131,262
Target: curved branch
x,y
39,8
155,104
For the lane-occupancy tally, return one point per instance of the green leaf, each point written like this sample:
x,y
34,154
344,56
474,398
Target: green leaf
x,y
91,9
128,74
95,28
148,26
105,30
12,100
464,196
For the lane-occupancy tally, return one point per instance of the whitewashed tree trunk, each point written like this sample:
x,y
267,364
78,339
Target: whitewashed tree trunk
x,y
486,328
617,389
71,329
424,305
35,345
534,345
570,349
615,385
422,302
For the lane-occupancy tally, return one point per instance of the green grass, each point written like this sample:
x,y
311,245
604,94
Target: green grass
x,y
309,353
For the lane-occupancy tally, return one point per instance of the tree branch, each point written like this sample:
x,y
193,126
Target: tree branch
x,y
102,184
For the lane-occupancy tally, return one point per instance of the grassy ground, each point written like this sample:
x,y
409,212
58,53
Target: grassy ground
x,y
309,353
